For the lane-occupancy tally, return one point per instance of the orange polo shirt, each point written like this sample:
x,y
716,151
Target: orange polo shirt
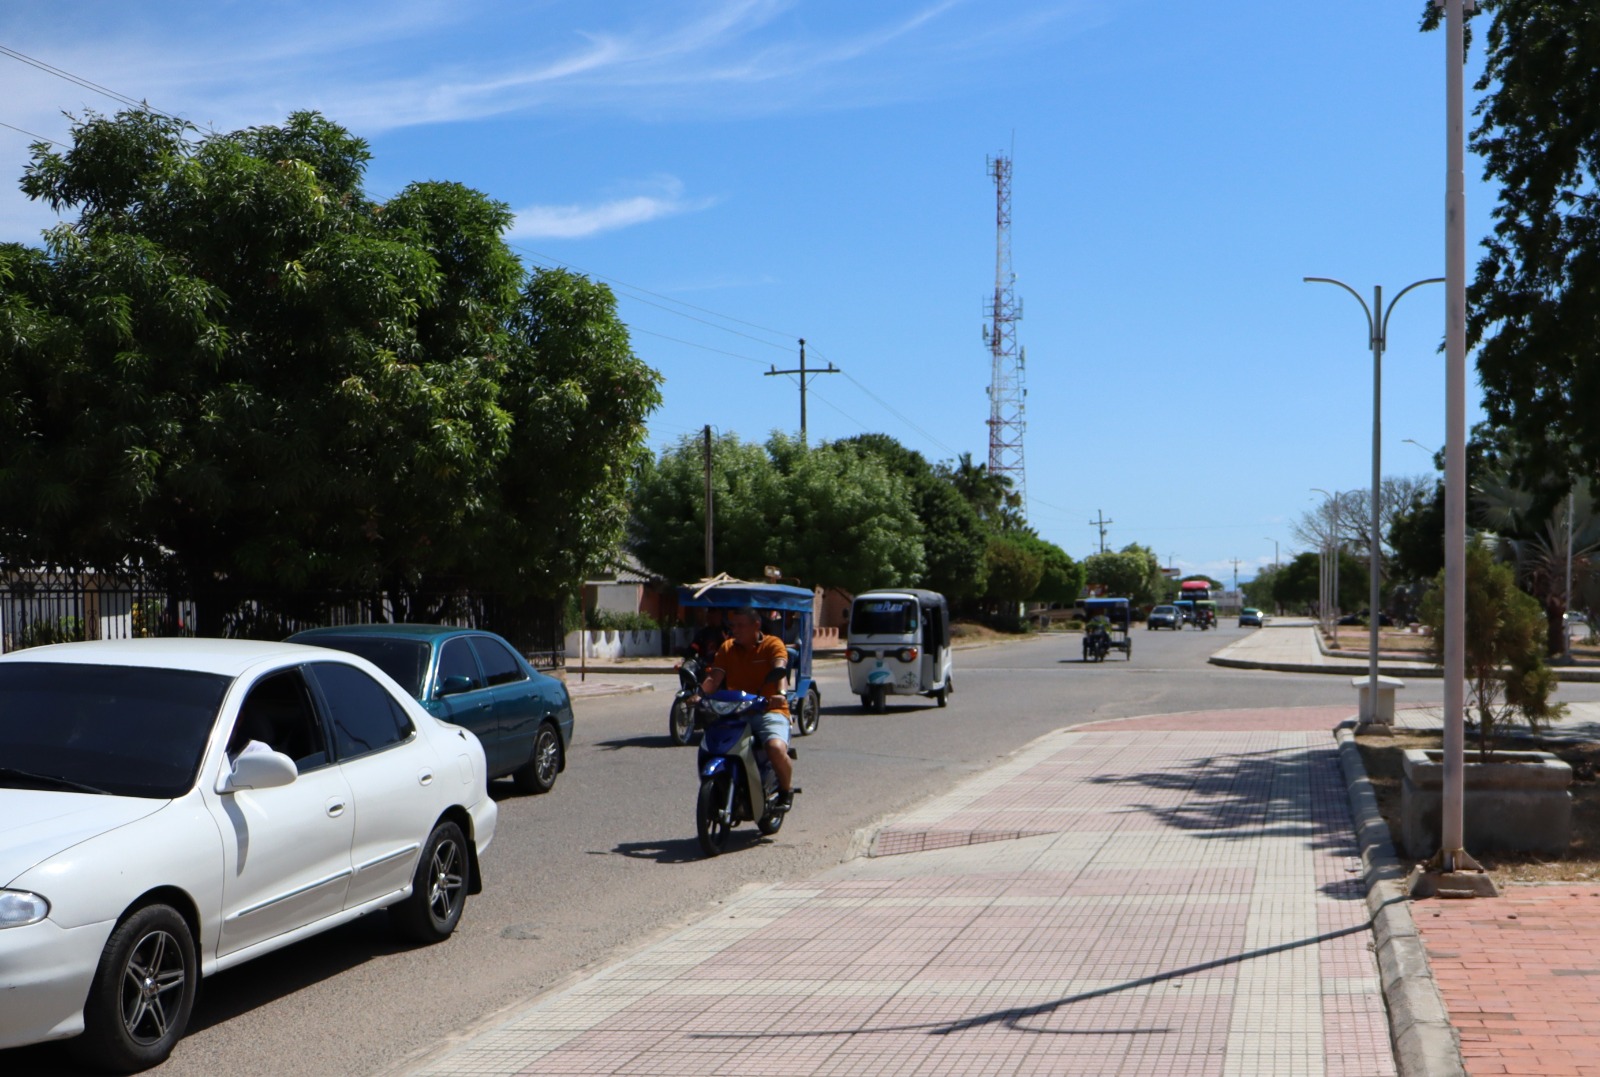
x,y
747,668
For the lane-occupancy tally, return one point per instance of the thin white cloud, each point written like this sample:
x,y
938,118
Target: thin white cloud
x,y
577,221
358,62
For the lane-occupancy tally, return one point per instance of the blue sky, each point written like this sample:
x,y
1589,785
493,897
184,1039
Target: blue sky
x,y
747,172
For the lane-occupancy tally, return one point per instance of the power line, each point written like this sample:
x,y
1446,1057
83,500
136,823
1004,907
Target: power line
x,y
30,134
619,284
79,80
692,344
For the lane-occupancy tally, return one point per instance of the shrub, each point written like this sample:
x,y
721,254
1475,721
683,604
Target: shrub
x,y
44,633
1505,647
615,621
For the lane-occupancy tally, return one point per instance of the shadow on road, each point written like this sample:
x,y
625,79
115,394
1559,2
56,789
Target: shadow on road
x,y
658,740
685,850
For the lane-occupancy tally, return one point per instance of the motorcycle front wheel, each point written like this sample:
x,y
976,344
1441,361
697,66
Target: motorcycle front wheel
x,y
680,723
712,830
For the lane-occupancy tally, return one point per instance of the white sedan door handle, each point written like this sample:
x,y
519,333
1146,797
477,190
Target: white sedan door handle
x,y
335,807
425,777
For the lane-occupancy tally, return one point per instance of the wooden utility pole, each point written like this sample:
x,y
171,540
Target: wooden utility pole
x,y
708,500
1102,523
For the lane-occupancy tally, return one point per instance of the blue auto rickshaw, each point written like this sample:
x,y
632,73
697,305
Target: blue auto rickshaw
x,y
789,614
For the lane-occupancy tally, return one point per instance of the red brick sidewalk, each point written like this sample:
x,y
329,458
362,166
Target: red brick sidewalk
x,y
1520,976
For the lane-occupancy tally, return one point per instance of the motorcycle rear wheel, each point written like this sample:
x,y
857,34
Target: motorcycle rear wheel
x,y
770,823
712,831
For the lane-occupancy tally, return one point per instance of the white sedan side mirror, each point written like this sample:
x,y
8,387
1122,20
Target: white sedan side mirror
x,y
260,770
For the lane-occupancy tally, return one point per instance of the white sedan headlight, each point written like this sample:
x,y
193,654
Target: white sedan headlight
x,y
18,908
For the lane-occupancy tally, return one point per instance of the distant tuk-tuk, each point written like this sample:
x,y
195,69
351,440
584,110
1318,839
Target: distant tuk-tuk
x,y
898,643
1106,628
788,614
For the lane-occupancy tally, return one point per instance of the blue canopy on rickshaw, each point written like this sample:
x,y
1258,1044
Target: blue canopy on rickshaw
x,y
761,596
769,596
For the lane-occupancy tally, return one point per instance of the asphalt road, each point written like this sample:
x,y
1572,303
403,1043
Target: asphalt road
x,y
608,860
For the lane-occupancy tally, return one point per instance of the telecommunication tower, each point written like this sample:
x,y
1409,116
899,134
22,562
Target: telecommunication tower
x,y
1008,361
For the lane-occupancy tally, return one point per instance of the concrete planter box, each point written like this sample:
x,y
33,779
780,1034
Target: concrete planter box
x,y
1516,803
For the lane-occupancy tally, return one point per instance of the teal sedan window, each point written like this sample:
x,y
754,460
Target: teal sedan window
x,y
406,661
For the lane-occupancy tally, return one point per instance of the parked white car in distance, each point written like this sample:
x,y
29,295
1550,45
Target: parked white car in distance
x,y
172,808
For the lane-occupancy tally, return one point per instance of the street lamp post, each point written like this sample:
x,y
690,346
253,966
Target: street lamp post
x,y
1274,542
1452,868
1377,338
1329,568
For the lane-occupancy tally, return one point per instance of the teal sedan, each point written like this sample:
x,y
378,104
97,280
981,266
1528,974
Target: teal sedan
x,y
473,679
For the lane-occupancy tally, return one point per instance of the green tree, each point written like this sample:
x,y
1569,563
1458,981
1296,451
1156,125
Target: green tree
x,y
578,398
843,519
953,536
1258,591
1133,572
1014,573
1504,644
1296,585
1061,578
1531,308
989,494
668,524
828,515
235,362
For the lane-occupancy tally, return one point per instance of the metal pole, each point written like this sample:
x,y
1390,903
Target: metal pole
x,y
1566,628
1375,553
1452,843
1377,338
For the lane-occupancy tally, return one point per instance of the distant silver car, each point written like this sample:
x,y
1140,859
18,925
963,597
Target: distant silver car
x,y
1251,616
1164,617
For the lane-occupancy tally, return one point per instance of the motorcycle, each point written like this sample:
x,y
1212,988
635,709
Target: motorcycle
x,y
735,774
1096,644
680,720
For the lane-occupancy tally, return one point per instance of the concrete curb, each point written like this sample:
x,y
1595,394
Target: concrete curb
x,y
1425,1043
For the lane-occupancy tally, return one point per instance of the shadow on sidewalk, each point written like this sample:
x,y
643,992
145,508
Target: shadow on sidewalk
x,y
1244,796
1012,1017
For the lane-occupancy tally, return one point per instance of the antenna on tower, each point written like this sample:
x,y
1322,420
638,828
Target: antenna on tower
x,y
1007,361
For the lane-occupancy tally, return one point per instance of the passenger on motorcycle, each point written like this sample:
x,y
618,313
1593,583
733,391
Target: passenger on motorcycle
x,y
704,645
757,662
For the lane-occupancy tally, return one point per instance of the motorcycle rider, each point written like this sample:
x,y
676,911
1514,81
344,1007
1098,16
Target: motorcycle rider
x,y
757,662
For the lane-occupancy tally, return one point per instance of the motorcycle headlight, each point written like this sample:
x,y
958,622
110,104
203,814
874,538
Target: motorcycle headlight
x,y
19,908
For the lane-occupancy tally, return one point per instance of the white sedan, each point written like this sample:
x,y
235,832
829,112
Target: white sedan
x,y
172,808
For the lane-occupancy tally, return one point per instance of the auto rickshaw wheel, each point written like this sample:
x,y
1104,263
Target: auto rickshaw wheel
x,y
880,697
941,692
810,712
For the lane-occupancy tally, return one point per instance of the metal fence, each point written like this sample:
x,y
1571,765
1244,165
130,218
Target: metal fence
x,y
40,605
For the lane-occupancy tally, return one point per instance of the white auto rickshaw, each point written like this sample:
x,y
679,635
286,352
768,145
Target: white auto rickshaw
x,y
899,644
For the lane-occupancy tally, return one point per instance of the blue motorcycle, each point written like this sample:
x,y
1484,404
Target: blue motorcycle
x,y
736,777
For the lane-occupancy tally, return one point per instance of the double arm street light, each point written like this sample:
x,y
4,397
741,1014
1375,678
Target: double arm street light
x,y
1377,338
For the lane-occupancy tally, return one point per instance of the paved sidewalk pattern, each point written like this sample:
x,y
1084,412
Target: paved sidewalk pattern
x,y
1162,896
1520,976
